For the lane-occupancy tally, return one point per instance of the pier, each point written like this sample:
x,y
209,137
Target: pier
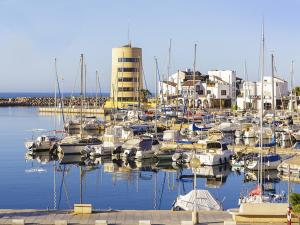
x,y
72,110
124,217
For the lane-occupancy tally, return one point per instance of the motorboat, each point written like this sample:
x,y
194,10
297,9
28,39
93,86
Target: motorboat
x,y
203,198
75,144
72,124
113,138
211,153
92,123
140,147
42,143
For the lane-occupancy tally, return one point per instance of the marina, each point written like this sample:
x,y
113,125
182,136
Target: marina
x,y
149,113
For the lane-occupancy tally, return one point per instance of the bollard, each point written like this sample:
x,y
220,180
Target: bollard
x,y
18,222
61,222
100,222
187,223
144,222
195,217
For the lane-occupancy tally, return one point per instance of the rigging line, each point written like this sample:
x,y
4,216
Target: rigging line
x,y
162,190
75,83
61,186
66,193
59,92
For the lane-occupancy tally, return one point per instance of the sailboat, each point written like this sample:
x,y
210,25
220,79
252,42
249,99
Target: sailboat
x,y
75,144
262,162
270,160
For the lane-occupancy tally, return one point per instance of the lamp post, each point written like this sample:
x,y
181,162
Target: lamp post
x,y
195,163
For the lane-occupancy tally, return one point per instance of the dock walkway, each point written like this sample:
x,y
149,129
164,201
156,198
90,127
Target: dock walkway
x,y
126,217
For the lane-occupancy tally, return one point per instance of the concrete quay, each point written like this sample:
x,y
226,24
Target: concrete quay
x,y
126,217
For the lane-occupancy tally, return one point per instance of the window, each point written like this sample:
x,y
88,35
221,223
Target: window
x,y
128,69
125,89
128,59
127,79
127,99
223,92
200,92
208,92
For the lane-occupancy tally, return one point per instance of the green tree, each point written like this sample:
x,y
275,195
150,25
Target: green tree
x,y
295,202
145,94
297,91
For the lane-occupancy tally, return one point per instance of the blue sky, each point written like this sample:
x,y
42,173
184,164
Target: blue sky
x,y
33,33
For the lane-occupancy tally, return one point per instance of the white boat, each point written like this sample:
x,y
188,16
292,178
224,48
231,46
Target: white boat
x,y
73,124
41,143
270,161
140,148
75,144
212,153
204,201
113,138
250,132
93,124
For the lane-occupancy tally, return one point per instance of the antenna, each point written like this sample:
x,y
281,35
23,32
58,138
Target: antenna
x,y
128,34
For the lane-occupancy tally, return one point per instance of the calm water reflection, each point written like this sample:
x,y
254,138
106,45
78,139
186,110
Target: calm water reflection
x,y
45,181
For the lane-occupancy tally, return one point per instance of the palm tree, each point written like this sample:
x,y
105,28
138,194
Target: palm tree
x,y
145,94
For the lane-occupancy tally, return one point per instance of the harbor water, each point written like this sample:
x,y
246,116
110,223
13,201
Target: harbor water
x,y
45,182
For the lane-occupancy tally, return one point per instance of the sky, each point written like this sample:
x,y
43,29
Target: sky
x,y
227,33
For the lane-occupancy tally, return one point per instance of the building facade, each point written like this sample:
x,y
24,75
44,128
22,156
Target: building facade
x,y
126,78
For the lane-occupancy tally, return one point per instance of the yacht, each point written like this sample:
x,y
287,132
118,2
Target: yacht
x,y
75,144
211,153
113,139
140,147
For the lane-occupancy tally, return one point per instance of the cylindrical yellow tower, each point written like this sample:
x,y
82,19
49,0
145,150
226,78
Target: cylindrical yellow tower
x,y
126,82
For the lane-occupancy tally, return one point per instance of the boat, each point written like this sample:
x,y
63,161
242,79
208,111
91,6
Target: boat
x,y
113,138
42,143
92,123
75,144
204,201
269,161
73,124
212,153
140,147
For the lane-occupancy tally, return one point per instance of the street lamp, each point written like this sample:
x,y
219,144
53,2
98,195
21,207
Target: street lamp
x,y
195,163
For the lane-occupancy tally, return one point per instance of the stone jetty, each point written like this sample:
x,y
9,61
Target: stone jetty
x,y
50,101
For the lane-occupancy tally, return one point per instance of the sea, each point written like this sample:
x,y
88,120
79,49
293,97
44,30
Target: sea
x,y
46,182
46,94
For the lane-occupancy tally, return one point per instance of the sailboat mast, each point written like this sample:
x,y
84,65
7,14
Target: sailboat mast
x,y
156,95
85,71
273,98
168,72
194,80
177,92
246,80
262,71
292,85
96,88
81,94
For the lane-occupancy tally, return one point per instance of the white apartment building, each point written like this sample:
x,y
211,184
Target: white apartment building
x,y
252,93
228,76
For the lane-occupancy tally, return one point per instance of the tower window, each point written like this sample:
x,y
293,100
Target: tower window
x,y
128,69
127,79
128,59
